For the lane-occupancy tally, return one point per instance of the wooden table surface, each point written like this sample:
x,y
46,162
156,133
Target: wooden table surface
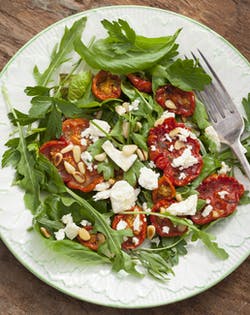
x,y
20,291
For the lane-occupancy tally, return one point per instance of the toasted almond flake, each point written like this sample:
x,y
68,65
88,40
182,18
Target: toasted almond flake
x,y
45,232
178,197
162,210
142,154
69,168
58,158
100,157
67,149
100,238
138,126
84,234
150,231
178,145
170,104
125,129
111,181
174,132
181,227
77,153
129,149
81,167
79,177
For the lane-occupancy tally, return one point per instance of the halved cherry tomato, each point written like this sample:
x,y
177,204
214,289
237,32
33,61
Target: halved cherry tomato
x,y
165,190
106,85
77,179
137,223
184,101
142,84
163,149
96,239
222,193
72,129
163,226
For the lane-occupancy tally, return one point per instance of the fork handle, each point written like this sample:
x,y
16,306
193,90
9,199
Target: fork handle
x,y
239,150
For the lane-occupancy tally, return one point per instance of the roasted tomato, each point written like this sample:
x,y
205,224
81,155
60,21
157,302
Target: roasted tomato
x,y
72,129
137,223
165,190
169,141
106,85
65,154
142,84
181,102
163,226
96,239
222,194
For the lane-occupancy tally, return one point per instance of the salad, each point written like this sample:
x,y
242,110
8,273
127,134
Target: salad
x,y
117,157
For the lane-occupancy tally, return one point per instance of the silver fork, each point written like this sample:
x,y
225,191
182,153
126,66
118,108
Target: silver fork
x,y
223,113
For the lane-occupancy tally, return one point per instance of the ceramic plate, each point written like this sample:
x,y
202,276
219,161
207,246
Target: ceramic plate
x,y
198,270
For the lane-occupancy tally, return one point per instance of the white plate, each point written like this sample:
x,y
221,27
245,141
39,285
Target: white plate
x,y
198,270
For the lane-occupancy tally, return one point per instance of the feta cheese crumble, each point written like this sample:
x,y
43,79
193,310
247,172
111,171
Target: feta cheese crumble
x,y
185,207
121,225
60,235
222,194
70,230
224,168
165,229
135,240
134,105
87,158
148,178
137,223
166,114
185,160
207,210
85,223
102,186
120,159
211,133
122,196
93,132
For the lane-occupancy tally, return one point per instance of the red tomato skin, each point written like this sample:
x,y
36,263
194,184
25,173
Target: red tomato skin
x,y
160,222
165,190
222,207
162,152
106,85
129,218
183,100
142,85
72,129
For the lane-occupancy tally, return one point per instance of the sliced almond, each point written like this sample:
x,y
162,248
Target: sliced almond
x,y
79,177
84,234
181,227
179,144
142,154
159,121
69,168
67,149
81,167
100,157
138,126
173,133
170,104
178,197
45,232
150,231
58,157
77,153
100,238
125,129
129,149
162,210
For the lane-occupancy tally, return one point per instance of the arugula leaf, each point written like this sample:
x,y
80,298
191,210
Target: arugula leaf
x,y
128,56
184,74
140,141
40,106
200,116
206,238
61,52
18,117
246,105
245,199
133,173
107,169
69,110
37,90
54,125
